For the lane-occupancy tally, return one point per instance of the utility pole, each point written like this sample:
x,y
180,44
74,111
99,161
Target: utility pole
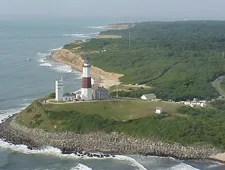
x,y
129,39
117,92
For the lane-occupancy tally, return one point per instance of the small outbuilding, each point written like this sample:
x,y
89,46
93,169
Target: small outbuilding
x,y
150,96
158,110
68,97
77,94
101,93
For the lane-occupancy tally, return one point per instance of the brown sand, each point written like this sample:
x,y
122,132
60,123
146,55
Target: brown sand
x,y
101,77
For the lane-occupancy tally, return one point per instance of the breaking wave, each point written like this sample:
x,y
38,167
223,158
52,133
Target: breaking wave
x,y
4,114
98,27
63,68
82,36
183,166
45,61
132,160
51,151
77,35
81,167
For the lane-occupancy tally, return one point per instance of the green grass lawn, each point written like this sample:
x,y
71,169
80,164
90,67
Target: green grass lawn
x,y
184,125
115,109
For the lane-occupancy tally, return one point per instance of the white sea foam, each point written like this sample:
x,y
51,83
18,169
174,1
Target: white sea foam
x,y
95,33
42,59
82,36
46,64
183,166
63,68
98,27
81,167
132,160
23,149
55,49
215,165
4,114
78,35
24,105
42,55
51,151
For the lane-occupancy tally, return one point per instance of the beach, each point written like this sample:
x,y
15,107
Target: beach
x,y
74,59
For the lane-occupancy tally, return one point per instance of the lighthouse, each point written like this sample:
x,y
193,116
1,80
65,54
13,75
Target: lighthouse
x,y
59,90
86,90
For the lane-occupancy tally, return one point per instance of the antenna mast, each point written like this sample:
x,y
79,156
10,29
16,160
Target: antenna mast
x,y
129,39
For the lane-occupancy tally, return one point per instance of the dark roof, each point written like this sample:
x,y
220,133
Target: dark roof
x,y
101,88
67,94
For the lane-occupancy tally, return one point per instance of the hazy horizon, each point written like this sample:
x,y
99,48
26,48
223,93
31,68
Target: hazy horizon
x,y
123,9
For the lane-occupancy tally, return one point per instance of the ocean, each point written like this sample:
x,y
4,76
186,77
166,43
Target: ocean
x,y
27,73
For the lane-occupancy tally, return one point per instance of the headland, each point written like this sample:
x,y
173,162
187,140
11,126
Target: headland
x,y
183,133
106,144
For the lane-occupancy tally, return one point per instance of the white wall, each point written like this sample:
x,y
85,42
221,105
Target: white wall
x,y
86,72
86,93
59,90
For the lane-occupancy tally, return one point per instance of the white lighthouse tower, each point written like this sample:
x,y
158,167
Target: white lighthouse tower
x,y
59,90
86,90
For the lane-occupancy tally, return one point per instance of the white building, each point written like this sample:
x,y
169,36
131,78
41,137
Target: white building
x,y
69,97
101,93
195,102
158,110
59,90
77,94
87,92
150,96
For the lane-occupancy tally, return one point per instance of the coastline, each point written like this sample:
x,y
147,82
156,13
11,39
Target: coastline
x,y
34,143
99,142
101,77
107,79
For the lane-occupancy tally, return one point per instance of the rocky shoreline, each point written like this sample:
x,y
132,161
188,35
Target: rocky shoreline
x,y
98,142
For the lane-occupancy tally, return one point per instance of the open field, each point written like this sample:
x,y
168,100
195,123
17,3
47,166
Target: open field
x,y
136,118
116,109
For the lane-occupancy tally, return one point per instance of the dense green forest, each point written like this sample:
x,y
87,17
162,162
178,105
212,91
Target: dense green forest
x,y
191,126
178,59
222,84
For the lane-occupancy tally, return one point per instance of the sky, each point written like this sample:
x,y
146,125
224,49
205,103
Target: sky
x,y
148,9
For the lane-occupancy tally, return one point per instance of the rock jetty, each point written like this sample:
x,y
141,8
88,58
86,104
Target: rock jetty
x,y
88,144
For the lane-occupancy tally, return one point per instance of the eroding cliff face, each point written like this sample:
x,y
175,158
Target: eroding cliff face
x,y
74,59
99,142
69,58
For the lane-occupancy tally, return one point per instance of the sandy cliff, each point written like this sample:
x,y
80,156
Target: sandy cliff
x,y
101,77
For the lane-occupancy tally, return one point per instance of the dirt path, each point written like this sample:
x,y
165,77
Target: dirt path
x,y
166,70
216,85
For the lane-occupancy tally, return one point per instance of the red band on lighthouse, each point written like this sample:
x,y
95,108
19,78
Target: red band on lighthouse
x,y
86,82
